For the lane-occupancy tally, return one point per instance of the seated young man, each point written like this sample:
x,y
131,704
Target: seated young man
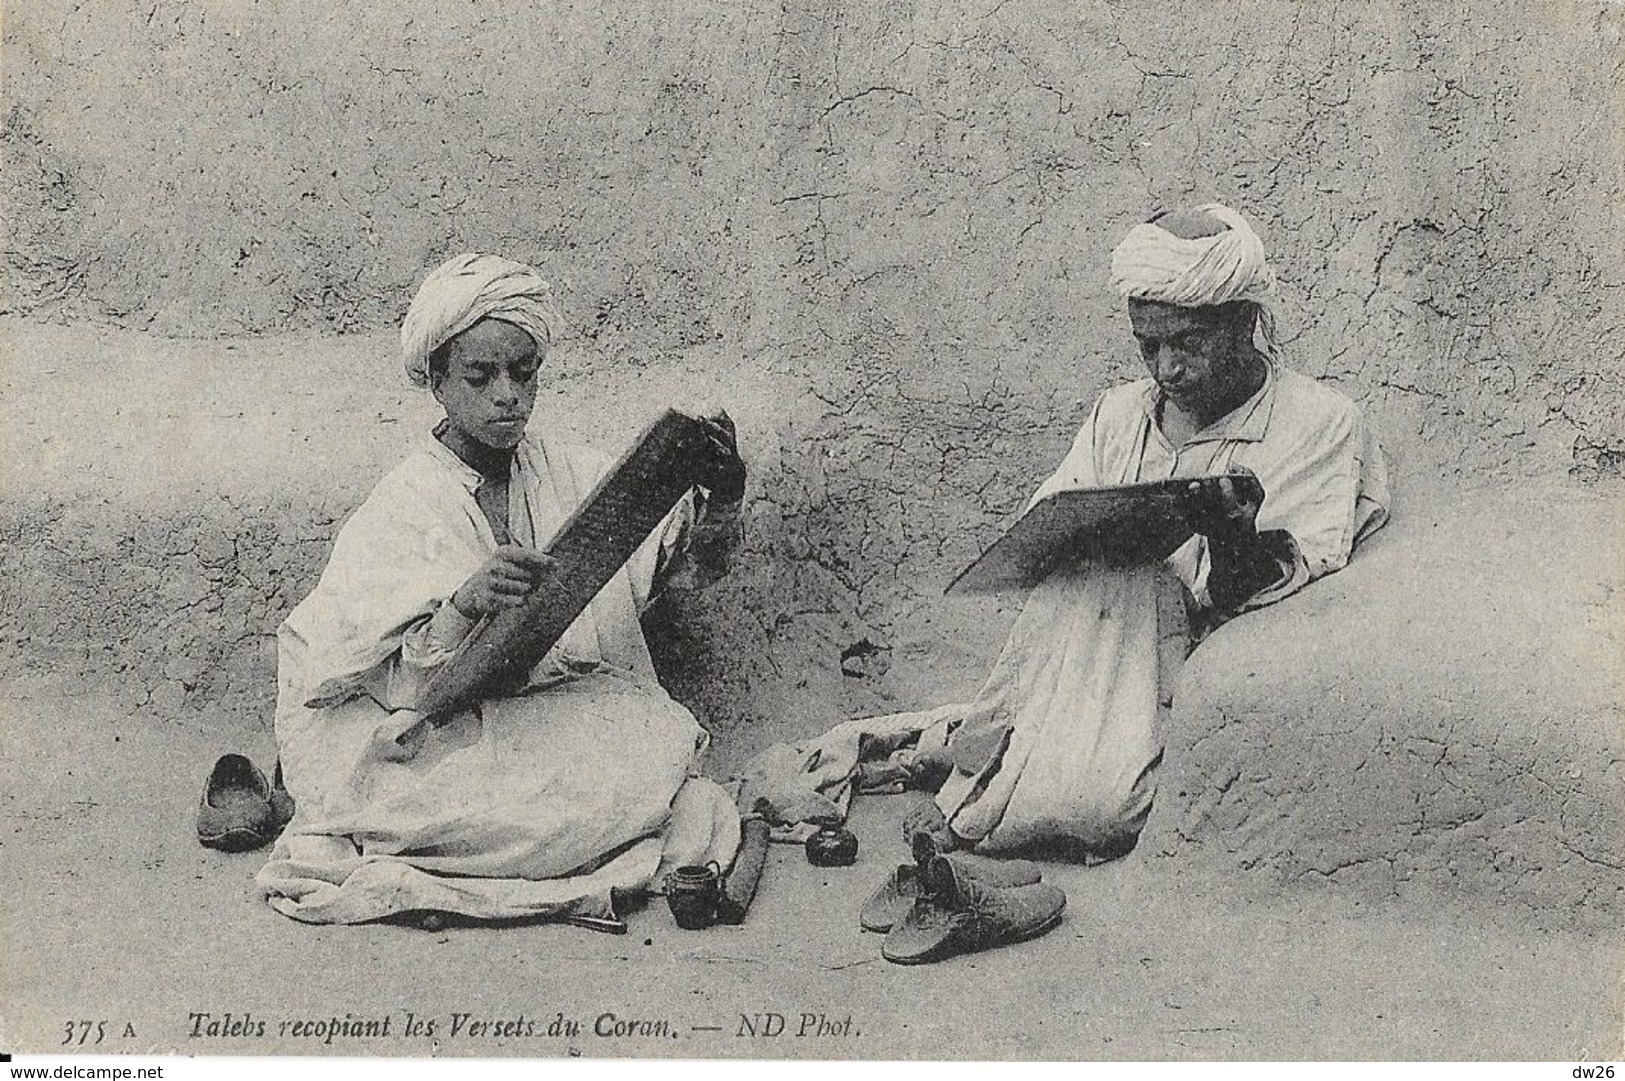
x,y
549,798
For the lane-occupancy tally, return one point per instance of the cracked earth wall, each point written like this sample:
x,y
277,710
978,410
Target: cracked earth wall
x,y
1443,715
890,219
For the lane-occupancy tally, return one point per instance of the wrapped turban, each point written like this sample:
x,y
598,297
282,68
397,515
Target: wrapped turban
x,y
462,291
1153,264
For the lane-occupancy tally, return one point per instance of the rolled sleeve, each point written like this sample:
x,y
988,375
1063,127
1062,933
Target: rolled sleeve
x,y
1328,491
430,642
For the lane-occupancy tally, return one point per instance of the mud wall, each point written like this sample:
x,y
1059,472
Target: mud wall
x,y
893,219
911,203
1445,714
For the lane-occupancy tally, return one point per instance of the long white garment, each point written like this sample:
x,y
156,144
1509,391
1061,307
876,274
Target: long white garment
x,y
1073,701
536,804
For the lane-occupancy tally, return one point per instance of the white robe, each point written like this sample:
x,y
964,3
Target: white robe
x,y
1073,704
539,804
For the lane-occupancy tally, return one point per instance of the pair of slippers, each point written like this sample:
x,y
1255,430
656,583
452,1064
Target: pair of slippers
x,y
946,904
241,810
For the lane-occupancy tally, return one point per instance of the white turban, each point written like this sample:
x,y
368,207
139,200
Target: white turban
x,y
1153,264
462,291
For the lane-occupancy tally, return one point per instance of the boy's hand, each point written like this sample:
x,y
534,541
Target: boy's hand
x,y
511,574
728,483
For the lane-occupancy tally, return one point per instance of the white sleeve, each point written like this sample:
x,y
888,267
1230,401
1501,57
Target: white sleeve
x,y
1080,468
430,642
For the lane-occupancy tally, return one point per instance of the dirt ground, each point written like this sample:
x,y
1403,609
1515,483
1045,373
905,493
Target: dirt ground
x,y
115,914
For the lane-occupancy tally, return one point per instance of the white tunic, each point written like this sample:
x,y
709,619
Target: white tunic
x,y
1071,707
531,805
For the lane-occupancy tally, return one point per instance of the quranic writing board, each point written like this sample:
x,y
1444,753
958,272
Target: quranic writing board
x,y
675,453
1117,525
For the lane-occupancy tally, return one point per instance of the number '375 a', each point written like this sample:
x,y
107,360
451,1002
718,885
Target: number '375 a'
x,y
80,1033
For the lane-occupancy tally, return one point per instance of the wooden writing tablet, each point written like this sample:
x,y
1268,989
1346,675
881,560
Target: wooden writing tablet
x,y
675,453
1119,526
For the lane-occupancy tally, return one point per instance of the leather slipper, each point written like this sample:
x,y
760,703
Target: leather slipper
x,y
958,914
926,934
235,814
890,903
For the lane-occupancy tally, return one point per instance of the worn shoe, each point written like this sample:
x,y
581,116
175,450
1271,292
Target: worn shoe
x,y
236,813
892,900
957,914
926,847
887,906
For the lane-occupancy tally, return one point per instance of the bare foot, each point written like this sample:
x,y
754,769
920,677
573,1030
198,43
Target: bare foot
x,y
926,829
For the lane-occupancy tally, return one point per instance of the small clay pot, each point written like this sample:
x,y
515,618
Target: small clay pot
x,y
832,846
692,893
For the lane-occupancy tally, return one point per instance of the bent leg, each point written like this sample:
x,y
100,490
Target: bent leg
x,y
1079,689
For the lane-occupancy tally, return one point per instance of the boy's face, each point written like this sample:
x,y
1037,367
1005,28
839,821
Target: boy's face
x,y
489,386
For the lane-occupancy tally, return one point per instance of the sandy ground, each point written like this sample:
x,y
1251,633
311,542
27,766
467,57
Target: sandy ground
x,y
115,914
